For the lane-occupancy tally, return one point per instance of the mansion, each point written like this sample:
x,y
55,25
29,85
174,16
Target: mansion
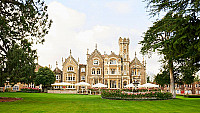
x,y
113,70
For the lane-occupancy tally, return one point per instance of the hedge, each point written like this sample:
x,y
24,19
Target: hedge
x,y
120,94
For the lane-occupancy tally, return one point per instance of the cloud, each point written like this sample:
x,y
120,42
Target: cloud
x,y
119,7
68,32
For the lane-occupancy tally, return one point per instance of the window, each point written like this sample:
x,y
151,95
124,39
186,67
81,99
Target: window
x,y
112,71
96,62
82,69
132,73
82,77
8,86
93,71
56,87
32,85
112,61
138,72
15,88
70,68
57,77
98,71
70,79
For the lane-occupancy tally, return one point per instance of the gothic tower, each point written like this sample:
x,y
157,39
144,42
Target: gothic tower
x,y
124,48
124,53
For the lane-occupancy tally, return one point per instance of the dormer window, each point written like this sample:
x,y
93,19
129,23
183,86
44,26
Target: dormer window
x,y
112,61
70,68
96,62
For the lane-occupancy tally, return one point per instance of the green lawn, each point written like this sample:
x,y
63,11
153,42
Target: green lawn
x,y
44,102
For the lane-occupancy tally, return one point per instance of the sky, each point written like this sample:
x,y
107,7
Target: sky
x,y
81,24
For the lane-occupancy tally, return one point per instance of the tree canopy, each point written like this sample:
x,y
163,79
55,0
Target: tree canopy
x,y
21,21
45,77
176,35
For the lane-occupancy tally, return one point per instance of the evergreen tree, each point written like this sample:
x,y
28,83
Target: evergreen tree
x,y
45,77
20,63
176,35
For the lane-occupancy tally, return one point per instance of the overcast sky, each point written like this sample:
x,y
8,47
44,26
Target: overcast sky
x,y
80,24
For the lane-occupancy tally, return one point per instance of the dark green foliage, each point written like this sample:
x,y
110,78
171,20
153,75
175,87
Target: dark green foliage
x,y
20,64
192,96
45,77
162,78
176,35
20,20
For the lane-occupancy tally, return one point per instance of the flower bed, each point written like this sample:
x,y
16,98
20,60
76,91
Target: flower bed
x,y
30,90
121,94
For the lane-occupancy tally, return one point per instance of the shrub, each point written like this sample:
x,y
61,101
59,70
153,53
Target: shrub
x,y
192,96
30,90
134,95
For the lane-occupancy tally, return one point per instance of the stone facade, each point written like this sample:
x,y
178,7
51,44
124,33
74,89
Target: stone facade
x,y
114,70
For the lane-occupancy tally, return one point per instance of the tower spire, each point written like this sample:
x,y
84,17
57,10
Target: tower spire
x,y
70,52
96,46
135,54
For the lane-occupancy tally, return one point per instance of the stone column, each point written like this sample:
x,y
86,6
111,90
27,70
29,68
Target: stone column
x,y
108,83
67,77
117,84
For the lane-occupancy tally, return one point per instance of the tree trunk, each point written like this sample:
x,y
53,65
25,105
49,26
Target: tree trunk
x,y
172,88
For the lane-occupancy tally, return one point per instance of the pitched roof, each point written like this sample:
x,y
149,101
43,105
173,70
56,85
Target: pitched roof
x,y
72,58
57,70
95,52
135,60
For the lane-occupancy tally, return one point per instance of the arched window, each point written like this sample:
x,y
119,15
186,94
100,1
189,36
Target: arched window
x,y
113,61
98,71
93,71
124,83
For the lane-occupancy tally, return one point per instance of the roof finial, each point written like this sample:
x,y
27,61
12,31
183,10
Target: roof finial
x,y
135,54
87,50
78,59
96,46
70,52
56,64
